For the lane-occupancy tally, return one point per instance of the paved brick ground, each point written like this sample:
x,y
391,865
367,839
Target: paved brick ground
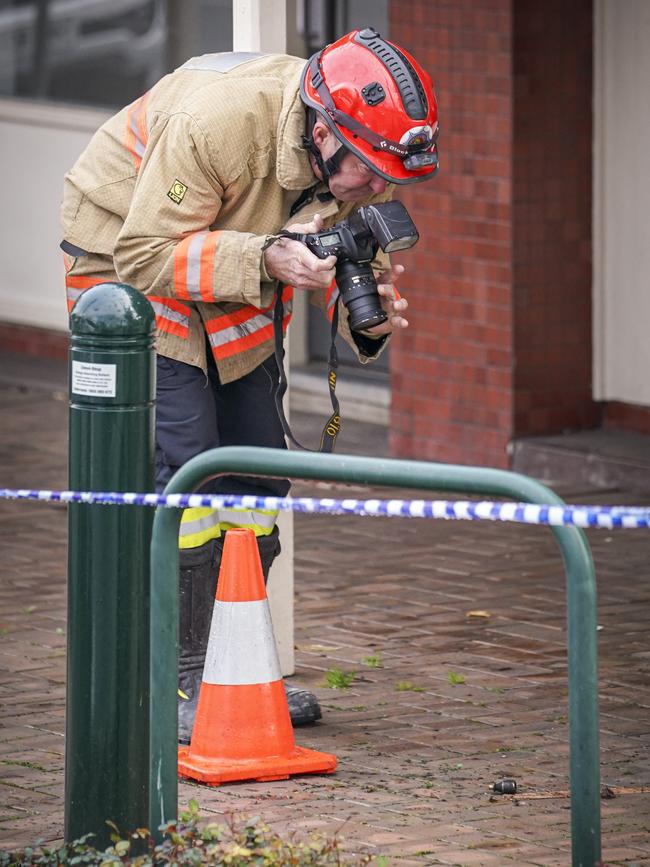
x,y
415,763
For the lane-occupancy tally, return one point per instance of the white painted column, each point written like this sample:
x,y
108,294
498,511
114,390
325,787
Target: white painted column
x,y
261,25
621,172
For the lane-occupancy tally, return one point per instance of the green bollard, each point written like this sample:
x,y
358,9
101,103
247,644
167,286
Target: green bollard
x,y
112,390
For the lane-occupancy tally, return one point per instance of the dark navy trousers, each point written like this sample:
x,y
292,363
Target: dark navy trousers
x,y
195,413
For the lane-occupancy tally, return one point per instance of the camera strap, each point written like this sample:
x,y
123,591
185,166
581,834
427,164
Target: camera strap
x,y
333,424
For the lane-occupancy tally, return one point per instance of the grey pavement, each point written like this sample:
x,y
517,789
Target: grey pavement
x,y
442,702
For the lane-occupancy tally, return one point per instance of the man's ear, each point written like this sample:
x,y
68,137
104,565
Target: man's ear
x,y
321,134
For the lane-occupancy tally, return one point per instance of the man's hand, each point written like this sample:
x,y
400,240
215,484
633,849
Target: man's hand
x,y
393,306
295,265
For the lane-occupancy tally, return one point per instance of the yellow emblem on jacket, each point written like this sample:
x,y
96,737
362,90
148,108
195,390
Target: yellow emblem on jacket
x,y
177,191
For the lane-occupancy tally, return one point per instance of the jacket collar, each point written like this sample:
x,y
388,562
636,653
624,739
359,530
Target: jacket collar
x,y
293,169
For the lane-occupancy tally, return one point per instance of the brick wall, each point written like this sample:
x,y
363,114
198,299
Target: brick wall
x,y
500,282
626,417
36,342
451,373
552,167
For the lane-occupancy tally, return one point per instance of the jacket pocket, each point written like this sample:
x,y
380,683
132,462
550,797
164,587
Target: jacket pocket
x,y
261,162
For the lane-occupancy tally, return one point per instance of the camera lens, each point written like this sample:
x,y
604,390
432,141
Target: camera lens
x,y
358,289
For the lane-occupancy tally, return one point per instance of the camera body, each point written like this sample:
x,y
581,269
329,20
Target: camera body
x,y
355,243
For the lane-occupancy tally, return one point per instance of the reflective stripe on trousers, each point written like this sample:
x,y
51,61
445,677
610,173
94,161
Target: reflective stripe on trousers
x,y
199,526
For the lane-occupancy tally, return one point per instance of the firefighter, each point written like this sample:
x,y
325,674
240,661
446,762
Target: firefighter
x,y
179,194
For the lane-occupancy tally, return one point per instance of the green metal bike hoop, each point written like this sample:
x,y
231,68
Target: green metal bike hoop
x,y
581,607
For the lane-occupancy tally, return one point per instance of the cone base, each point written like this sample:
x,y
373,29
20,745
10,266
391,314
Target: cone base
x,y
220,770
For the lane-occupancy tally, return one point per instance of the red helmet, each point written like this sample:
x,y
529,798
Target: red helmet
x,y
379,103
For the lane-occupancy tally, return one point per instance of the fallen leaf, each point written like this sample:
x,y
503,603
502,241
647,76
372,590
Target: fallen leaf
x,y
317,648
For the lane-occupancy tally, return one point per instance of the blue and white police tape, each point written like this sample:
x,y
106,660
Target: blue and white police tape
x,y
605,517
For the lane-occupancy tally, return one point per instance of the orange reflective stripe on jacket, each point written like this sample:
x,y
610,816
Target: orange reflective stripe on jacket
x,y
75,286
136,134
172,316
235,332
194,267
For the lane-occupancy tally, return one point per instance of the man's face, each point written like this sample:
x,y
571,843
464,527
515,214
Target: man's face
x,y
354,181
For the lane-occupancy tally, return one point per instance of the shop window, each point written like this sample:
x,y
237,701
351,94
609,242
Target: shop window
x,y
103,53
97,52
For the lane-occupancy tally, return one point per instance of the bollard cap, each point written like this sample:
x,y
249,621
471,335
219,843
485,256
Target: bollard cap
x,y
112,309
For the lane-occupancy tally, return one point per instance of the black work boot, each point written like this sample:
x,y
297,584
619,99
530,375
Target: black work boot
x,y
303,705
199,571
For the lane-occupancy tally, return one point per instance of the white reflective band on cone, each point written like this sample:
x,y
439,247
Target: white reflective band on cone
x,y
245,630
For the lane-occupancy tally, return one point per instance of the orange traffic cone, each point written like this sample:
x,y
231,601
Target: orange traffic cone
x,y
243,729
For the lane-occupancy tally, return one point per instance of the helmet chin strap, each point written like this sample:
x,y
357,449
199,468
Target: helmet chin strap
x,y
326,167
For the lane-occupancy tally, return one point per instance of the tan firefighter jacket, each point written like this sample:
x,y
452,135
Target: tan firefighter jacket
x,y
177,194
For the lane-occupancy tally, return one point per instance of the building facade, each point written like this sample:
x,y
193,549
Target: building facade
x,y
528,288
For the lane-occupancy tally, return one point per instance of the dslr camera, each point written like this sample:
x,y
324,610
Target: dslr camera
x,y
355,243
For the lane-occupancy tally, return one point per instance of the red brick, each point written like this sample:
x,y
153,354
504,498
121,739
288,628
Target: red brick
x,y
35,342
628,417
